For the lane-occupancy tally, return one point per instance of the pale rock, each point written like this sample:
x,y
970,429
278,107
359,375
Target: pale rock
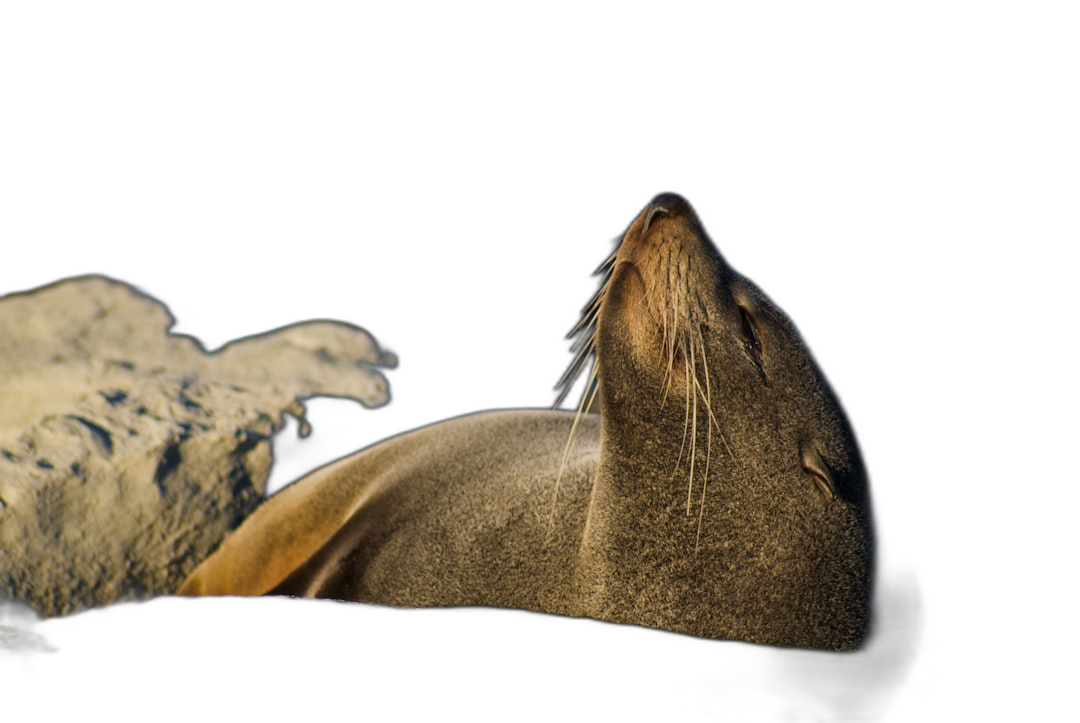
x,y
126,452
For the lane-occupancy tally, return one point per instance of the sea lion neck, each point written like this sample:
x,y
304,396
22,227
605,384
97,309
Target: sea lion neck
x,y
723,455
666,295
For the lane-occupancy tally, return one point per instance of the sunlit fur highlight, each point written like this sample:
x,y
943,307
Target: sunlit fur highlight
x,y
681,316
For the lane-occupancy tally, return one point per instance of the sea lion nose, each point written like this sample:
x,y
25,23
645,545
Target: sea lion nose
x,y
665,203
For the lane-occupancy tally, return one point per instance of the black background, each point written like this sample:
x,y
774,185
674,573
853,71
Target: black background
x,y
460,223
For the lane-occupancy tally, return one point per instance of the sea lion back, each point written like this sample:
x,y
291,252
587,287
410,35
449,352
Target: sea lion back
x,y
463,512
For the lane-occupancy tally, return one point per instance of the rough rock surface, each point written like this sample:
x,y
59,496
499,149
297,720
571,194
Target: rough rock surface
x,y
127,452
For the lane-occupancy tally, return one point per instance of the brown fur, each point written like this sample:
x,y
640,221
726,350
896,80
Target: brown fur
x,y
719,492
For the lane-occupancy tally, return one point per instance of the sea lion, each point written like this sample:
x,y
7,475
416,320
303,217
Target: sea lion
x,y
719,491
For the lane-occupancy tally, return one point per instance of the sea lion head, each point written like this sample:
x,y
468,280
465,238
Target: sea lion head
x,y
722,445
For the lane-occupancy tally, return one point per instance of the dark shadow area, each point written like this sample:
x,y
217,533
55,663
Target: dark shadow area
x,y
339,657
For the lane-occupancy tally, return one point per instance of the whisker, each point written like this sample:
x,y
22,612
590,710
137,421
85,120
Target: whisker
x,y
586,400
592,389
670,346
708,447
588,314
570,376
609,262
584,346
686,423
693,434
585,349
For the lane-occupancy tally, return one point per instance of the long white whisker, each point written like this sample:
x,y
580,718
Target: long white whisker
x,y
693,434
575,366
586,400
585,349
588,315
686,422
708,447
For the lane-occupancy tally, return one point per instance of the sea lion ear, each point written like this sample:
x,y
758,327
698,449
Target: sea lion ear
x,y
815,465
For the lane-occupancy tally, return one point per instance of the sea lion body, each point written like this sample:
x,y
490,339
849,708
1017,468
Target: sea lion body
x,y
450,514
719,492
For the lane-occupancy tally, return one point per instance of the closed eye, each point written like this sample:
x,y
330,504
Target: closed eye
x,y
751,338
819,471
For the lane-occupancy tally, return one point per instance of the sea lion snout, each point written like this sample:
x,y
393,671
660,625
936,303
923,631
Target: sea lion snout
x,y
668,222
666,204
663,272
663,205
